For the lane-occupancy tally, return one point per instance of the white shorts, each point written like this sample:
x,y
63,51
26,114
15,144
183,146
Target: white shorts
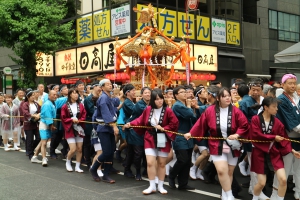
x,y
97,147
76,139
202,148
155,152
225,157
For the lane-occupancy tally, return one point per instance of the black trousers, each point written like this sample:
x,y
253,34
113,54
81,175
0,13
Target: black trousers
x,y
87,149
182,166
134,156
30,142
56,138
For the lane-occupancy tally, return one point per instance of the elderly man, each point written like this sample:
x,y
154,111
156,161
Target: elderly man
x,y
106,115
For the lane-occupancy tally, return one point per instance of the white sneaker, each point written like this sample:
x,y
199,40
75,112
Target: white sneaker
x,y
6,149
69,166
45,162
275,193
242,168
57,151
262,196
9,145
17,148
156,180
35,159
78,170
99,172
199,175
193,172
296,195
149,190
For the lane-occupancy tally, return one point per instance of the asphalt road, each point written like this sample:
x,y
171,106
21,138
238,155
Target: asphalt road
x,y
22,180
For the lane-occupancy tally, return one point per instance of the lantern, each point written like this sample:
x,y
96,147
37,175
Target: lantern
x,y
133,73
207,77
112,77
213,77
118,76
123,76
177,76
194,77
183,76
62,80
201,77
127,77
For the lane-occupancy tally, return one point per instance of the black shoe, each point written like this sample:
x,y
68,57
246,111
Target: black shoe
x,y
107,179
186,187
129,174
138,177
114,171
245,185
95,175
30,156
53,156
172,183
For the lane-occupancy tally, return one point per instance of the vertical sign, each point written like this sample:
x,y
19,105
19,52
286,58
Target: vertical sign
x,y
203,28
65,62
89,59
84,29
101,25
167,22
184,23
218,30
44,64
120,20
233,33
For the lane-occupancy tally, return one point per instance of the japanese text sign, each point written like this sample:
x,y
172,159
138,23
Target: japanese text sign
x,y
203,28
120,20
184,23
168,22
65,62
218,30
233,33
89,59
44,64
101,25
109,55
84,29
206,58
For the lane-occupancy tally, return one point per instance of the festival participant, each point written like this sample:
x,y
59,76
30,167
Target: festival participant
x,y
277,84
47,126
10,122
184,112
200,94
266,127
1,104
57,136
79,86
90,106
17,101
234,96
289,114
256,87
169,96
31,112
133,138
106,129
71,114
87,89
189,92
157,140
227,121
41,93
121,136
128,105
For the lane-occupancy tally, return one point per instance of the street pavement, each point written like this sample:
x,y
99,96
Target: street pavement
x,y
22,180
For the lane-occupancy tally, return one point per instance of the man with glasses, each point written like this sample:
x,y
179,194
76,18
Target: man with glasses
x,y
289,115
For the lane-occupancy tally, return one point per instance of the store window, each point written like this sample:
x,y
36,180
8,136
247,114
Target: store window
x,y
286,24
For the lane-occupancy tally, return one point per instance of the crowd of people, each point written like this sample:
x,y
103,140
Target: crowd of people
x,y
165,132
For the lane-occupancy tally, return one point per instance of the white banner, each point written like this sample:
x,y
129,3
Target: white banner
x,y
218,30
65,62
120,20
44,65
206,58
89,59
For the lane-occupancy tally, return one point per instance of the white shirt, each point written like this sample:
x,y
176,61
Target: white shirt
x,y
223,121
155,117
73,107
32,108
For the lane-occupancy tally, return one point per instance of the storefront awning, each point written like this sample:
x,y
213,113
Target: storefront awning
x,y
289,55
231,54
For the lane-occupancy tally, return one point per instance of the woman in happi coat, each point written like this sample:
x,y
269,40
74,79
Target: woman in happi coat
x,y
71,114
10,122
266,127
157,140
225,121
